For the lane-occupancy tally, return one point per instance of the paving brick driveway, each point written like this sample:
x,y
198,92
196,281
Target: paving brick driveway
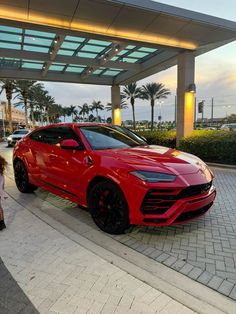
x,y
204,249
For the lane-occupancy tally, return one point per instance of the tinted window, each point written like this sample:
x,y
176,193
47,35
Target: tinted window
x,y
21,132
106,137
54,136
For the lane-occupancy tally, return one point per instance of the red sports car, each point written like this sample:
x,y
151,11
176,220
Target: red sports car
x,y
114,173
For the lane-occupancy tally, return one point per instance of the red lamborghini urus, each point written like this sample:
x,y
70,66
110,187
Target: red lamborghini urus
x,y
114,173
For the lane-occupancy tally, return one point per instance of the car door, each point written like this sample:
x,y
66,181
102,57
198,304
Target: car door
x,y
65,168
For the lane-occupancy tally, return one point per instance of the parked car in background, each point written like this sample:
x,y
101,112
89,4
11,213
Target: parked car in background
x,y
115,174
16,136
228,127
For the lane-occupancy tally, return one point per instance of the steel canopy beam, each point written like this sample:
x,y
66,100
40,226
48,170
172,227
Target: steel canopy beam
x,y
55,77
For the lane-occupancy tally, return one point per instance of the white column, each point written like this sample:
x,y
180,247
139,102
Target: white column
x,y
185,98
115,100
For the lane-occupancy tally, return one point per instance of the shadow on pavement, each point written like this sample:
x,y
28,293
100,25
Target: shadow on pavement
x,y
12,297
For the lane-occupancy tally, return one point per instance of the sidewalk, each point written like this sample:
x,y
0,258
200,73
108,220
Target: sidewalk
x,y
44,271
57,261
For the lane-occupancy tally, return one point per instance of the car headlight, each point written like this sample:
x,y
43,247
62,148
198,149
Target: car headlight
x,y
9,138
149,176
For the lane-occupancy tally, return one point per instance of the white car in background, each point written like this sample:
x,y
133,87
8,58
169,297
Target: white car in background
x,y
228,127
16,136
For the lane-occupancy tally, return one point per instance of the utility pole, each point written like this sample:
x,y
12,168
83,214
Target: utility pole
x,y
212,110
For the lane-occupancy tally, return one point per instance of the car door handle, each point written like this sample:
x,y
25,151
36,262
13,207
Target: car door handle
x,y
52,156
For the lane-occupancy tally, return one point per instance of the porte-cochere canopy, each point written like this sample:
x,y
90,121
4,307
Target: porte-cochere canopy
x,y
101,41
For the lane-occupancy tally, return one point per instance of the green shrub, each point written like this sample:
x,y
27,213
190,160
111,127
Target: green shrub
x,y
212,146
163,138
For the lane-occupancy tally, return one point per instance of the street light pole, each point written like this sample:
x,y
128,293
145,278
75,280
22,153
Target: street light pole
x,y
226,113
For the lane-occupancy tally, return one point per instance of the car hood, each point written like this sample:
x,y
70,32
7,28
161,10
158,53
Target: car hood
x,y
157,158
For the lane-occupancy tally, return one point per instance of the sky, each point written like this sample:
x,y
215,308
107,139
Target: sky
x,y
215,75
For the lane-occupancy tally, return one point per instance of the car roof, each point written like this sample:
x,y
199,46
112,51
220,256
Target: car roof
x,y
72,124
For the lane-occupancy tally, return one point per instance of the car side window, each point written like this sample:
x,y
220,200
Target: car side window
x,y
53,136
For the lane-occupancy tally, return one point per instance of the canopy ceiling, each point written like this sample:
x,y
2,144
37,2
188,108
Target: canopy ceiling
x,y
105,42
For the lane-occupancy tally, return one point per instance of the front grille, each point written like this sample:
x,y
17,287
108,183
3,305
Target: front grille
x,y
192,214
195,190
159,201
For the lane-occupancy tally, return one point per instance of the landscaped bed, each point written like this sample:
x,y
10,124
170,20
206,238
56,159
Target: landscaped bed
x,y
211,146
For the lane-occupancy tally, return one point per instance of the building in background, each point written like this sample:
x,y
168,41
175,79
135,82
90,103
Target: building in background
x,y
18,118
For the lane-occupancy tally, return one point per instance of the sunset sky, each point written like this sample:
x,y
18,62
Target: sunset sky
x,y
215,75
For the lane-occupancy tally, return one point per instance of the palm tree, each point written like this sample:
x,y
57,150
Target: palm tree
x,y
153,91
84,110
72,112
33,92
123,105
48,102
9,87
131,92
22,88
65,112
97,105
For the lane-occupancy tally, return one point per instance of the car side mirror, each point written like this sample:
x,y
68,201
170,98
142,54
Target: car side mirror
x,y
71,144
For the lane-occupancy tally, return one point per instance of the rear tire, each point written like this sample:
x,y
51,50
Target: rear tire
x,y
108,207
22,178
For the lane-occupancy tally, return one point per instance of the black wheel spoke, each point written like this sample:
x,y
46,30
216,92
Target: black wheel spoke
x,y
108,208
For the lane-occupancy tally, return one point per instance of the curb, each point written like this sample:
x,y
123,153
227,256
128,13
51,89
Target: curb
x,y
212,164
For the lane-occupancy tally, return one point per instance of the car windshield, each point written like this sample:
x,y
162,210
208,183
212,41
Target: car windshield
x,y
107,137
21,132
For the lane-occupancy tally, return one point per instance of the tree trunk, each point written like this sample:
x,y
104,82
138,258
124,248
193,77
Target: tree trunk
x,y
47,115
10,127
152,114
32,115
132,104
26,113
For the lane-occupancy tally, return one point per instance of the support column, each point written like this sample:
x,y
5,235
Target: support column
x,y
115,100
185,95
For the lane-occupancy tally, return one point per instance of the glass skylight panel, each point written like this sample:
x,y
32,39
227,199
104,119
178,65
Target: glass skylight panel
x,y
75,39
10,63
32,65
37,41
99,42
130,47
146,49
10,46
70,45
35,48
137,54
122,52
98,71
39,33
131,60
56,67
114,58
91,48
75,69
10,37
66,52
86,55
111,73
10,29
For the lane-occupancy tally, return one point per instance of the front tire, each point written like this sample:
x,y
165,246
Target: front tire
x,y
22,178
108,207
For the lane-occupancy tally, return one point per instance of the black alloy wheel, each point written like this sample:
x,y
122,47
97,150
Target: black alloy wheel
x,y
22,178
108,207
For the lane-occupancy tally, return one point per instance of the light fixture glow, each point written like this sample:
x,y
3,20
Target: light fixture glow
x,y
7,12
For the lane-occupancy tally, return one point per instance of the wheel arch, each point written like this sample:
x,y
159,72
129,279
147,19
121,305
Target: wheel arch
x,y
98,179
